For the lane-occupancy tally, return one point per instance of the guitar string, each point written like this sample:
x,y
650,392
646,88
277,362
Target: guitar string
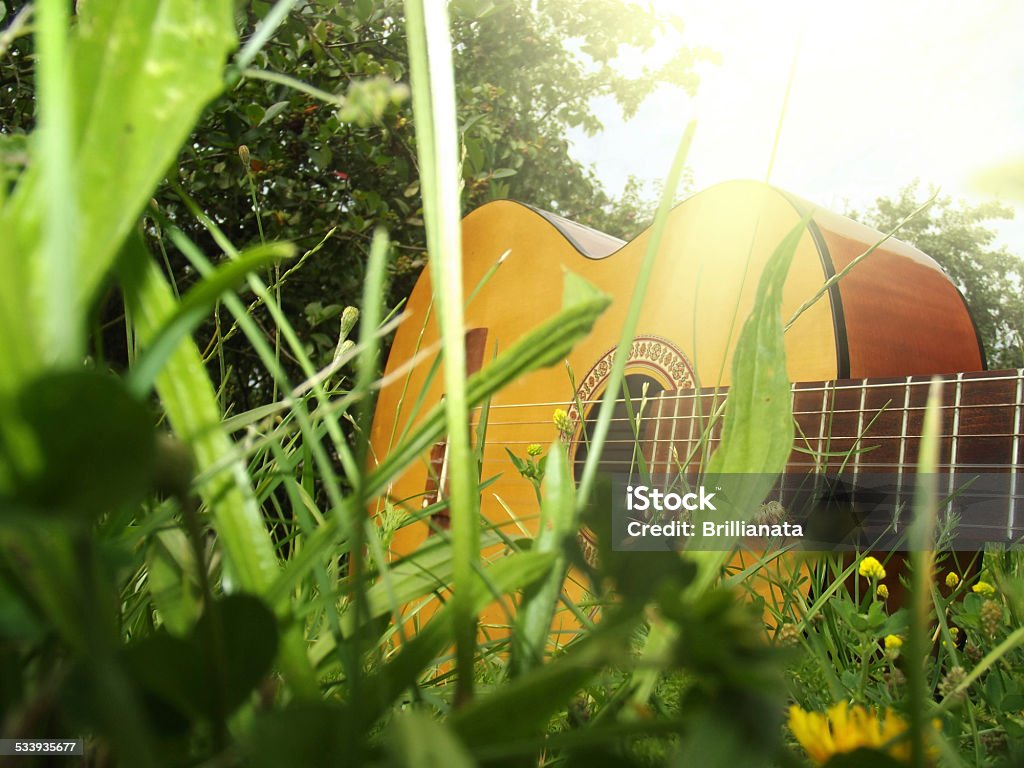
x,y
718,438
722,399
838,385
1012,535
966,468
858,387
817,413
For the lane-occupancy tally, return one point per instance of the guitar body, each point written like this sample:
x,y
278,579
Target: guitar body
x,y
894,314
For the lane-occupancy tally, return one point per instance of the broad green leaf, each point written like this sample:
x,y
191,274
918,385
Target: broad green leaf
x,y
142,73
757,433
139,76
77,442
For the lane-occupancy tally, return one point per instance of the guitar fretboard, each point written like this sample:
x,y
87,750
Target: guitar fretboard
x,y
868,426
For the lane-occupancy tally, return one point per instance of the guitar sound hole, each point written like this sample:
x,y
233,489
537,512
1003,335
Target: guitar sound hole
x,y
621,452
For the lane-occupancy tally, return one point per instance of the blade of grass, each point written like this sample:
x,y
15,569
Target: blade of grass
x,y
373,301
922,532
267,26
62,322
846,270
437,148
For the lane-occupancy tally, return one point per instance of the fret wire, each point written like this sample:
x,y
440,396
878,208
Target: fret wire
x,y
792,399
657,426
1016,448
860,427
675,420
821,426
903,447
956,428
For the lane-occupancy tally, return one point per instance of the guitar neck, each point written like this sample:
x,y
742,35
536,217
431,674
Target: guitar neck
x,y
867,426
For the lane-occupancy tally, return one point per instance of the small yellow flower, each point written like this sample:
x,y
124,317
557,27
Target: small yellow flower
x,y
870,568
533,449
984,589
893,642
561,420
845,729
882,592
954,636
952,579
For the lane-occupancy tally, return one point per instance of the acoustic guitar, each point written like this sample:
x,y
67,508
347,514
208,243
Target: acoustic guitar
x,y
862,356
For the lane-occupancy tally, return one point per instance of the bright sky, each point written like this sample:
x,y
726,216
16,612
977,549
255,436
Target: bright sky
x,y
884,92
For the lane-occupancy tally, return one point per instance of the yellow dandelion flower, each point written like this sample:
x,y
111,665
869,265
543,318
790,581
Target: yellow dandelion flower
x,y
952,579
882,592
870,568
845,729
812,731
892,642
984,589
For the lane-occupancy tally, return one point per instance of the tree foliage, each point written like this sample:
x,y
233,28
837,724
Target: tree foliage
x,y
960,237
329,140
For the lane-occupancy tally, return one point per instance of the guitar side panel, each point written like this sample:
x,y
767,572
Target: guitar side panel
x,y
903,314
